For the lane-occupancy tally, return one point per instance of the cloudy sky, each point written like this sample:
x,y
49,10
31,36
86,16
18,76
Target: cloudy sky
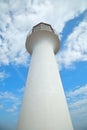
x,y
69,19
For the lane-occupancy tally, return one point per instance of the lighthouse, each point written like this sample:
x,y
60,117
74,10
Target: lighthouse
x,y
44,105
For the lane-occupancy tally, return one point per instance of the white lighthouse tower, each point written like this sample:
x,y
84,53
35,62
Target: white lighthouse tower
x,y
44,104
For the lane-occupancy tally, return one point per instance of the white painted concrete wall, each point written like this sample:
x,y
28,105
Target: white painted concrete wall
x,y
44,106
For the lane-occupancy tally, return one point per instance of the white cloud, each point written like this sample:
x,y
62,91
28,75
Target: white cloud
x,y
21,90
78,91
7,95
3,75
1,107
10,101
75,48
17,18
12,109
77,100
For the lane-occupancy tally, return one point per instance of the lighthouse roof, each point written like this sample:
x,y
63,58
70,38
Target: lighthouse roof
x,y
42,26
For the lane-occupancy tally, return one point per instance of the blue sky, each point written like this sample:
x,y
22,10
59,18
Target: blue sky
x,y
69,19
